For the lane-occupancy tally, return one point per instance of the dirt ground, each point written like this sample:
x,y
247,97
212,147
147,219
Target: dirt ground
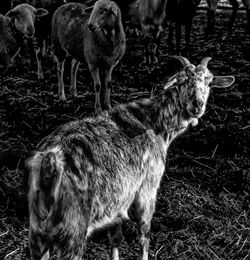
x,y
202,210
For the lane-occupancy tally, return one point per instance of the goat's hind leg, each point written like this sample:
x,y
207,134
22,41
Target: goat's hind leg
x,y
115,238
38,247
145,207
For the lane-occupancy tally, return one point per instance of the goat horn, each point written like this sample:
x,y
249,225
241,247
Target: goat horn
x,y
184,61
205,61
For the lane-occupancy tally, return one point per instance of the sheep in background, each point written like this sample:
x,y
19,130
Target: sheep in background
x,y
92,34
180,13
211,10
16,24
87,173
42,29
247,6
148,16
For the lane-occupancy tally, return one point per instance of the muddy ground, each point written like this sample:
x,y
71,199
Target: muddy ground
x,y
202,210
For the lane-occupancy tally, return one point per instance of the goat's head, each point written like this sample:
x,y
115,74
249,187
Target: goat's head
x,y
104,16
24,16
193,84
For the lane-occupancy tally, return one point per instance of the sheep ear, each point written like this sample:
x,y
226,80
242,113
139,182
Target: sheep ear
x,y
88,10
170,83
222,81
11,13
41,12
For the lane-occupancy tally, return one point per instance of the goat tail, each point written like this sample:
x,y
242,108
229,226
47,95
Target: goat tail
x,y
49,174
45,185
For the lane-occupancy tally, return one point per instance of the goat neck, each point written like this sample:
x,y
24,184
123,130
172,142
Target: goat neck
x,y
162,113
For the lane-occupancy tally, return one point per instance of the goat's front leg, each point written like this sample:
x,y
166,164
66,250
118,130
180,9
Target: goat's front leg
x,y
115,238
108,73
60,70
97,85
74,68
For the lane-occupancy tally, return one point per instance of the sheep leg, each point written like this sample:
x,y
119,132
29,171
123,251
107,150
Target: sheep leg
x,y
156,43
39,57
212,6
38,248
108,73
40,74
188,27
178,38
170,36
32,54
115,238
145,207
235,6
60,70
248,21
146,41
97,86
74,68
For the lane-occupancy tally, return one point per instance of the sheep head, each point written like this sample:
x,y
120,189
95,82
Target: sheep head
x,y
105,15
24,16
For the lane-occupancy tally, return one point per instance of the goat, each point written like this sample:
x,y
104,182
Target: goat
x,y
180,13
87,173
94,34
148,16
211,10
17,22
43,28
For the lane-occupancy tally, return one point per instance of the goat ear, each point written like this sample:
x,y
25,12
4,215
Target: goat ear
x,y
88,10
170,83
222,81
11,13
41,12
